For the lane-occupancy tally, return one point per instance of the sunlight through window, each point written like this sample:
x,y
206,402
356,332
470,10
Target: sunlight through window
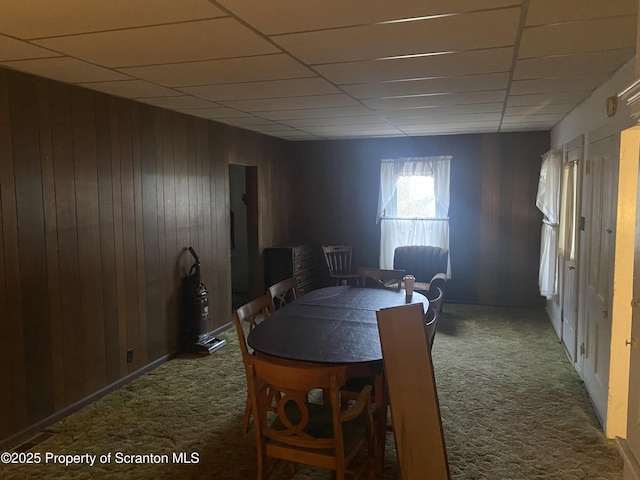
x,y
416,197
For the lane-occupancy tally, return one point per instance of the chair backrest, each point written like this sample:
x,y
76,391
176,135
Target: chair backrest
x,y
338,258
431,324
283,292
421,261
379,278
435,297
288,386
251,313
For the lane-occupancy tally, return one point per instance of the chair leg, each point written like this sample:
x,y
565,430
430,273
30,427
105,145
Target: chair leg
x,y
247,417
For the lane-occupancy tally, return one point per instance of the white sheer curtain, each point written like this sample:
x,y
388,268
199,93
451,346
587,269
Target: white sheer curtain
x,y
548,202
397,231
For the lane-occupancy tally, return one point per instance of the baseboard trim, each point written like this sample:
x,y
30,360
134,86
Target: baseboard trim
x,y
631,465
31,430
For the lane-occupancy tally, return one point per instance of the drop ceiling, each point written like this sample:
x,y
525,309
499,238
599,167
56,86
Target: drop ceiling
x,y
328,69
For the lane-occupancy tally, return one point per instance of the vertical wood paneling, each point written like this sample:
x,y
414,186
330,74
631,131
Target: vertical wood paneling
x,y
118,235
107,239
31,237
155,331
162,322
170,228
217,154
12,344
193,203
51,242
88,221
99,198
67,241
5,352
141,344
129,229
504,240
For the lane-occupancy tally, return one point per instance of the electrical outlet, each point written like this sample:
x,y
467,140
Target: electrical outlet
x,y
130,355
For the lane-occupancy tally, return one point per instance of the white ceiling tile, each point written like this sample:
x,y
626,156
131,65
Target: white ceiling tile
x,y
444,118
247,69
553,11
12,49
181,42
296,87
268,17
299,135
130,88
450,33
292,103
583,83
579,64
439,99
245,121
351,129
465,83
458,63
429,112
214,113
316,113
451,127
179,103
28,19
270,128
550,117
579,37
563,108
527,127
66,69
350,120
546,99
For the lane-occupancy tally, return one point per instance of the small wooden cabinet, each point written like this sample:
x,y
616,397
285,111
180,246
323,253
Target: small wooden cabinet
x,y
299,261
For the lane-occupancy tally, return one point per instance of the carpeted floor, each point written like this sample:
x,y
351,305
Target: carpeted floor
x,y
512,408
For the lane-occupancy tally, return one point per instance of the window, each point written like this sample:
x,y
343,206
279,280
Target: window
x,y
413,205
415,197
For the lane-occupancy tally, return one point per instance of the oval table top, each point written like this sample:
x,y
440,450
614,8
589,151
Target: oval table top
x,y
329,325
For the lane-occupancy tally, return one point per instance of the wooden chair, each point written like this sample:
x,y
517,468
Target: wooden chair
x,y
283,292
378,278
321,435
251,313
338,258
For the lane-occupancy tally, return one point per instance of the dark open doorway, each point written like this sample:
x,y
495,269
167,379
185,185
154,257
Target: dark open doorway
x,y
244,232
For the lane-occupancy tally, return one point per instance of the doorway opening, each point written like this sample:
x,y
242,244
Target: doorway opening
x,y
244,232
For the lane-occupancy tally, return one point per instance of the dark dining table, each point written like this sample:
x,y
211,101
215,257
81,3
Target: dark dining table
x,y
337,326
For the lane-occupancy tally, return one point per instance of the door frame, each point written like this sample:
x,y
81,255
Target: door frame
x,y
255,282
573,151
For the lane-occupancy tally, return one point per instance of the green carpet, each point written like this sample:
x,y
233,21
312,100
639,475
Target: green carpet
x,y
512,408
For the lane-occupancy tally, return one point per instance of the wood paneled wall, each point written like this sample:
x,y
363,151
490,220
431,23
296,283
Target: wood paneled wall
x,y
494,223
99,198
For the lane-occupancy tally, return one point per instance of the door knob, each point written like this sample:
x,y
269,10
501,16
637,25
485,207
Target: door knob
x,y
571,267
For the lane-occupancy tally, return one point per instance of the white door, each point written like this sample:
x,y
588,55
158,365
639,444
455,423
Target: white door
x,y
594,327
568,246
